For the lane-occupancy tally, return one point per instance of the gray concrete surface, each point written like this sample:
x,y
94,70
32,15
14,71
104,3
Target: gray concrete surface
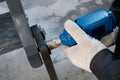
x,y
50,15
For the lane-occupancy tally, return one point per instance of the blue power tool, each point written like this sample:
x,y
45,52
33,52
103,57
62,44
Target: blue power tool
x,y
97,24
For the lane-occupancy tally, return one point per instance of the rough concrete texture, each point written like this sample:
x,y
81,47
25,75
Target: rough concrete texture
x,y
50,15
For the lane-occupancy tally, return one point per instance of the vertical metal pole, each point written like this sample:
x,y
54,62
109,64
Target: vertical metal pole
x,y
23,29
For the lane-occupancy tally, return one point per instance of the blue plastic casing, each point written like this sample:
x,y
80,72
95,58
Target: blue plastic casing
x,y
97,24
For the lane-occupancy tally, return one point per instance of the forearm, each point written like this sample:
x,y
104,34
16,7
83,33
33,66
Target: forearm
x,y
106,66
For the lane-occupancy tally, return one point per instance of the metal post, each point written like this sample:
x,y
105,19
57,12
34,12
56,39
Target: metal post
x,y
23,29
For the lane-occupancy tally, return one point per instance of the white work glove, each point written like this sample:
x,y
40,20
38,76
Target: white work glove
x,y
87,47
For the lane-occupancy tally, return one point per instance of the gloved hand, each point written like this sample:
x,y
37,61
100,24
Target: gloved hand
x,y
87,47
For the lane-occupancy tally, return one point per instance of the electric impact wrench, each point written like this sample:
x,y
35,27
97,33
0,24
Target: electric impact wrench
x,y
96,24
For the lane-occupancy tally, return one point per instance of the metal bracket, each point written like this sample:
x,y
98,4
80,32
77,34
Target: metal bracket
x,y
44,51
32,46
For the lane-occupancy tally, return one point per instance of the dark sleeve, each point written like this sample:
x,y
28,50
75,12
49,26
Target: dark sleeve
x,y
106,65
